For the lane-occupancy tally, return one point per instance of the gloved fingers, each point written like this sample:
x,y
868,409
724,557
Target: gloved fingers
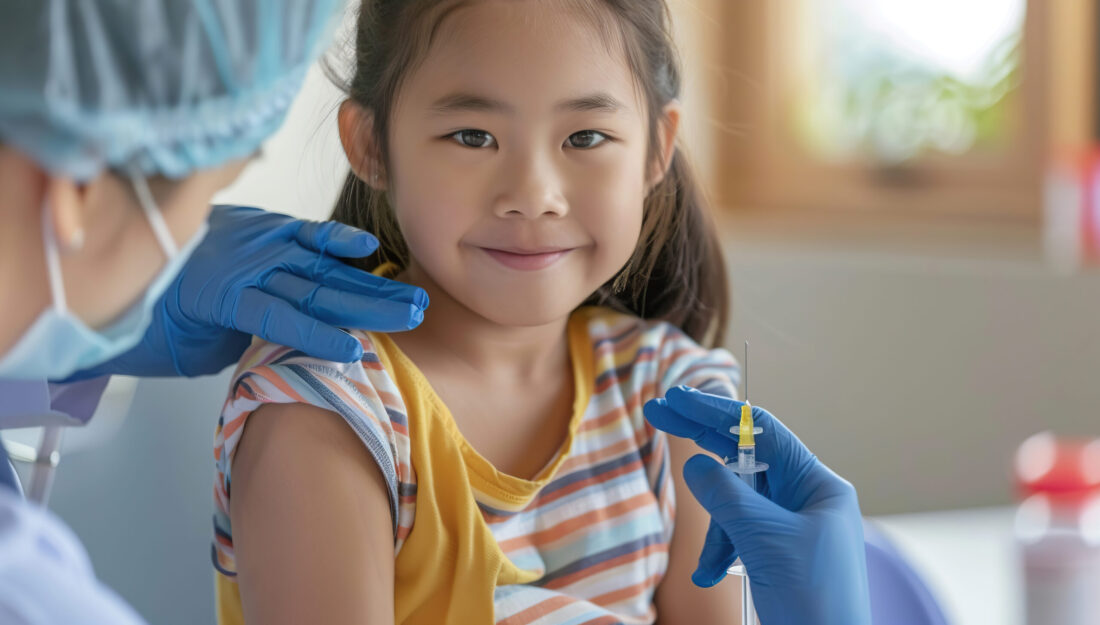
x,y
716,558
339,275
343,308
731,503
777,445
714,411
335,273
664,418
275,320
336,239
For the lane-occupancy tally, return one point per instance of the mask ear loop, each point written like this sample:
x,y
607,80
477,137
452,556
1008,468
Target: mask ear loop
x,y
48,454
53,261
152,213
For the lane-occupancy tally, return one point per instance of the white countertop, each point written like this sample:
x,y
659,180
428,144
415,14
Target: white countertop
x,y
967,558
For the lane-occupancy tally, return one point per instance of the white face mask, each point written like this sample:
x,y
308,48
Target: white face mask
x,y
58,343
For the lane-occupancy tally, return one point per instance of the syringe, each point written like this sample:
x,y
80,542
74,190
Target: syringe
x,y
747,467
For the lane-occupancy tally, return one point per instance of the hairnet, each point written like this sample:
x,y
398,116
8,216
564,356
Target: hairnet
x,y
163,86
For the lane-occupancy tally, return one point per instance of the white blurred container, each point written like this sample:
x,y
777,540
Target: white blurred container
x,y
1058,529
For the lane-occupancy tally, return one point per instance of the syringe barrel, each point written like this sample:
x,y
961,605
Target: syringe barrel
x,y
746,458
746,463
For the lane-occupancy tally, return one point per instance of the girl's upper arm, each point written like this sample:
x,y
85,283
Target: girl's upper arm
x,y
312,528
678,599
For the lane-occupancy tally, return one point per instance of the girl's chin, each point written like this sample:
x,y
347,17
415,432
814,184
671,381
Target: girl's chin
x,y
524,309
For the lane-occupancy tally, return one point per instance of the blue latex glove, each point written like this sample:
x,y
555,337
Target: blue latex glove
x,y
273,276
800,536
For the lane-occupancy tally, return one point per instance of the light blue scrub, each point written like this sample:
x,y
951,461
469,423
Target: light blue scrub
x,y
33,403
36,403
45,573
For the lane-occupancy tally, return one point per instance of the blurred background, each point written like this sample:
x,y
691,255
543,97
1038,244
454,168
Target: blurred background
x,y
906,193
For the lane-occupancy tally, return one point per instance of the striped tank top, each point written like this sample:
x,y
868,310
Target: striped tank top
x,y
585,541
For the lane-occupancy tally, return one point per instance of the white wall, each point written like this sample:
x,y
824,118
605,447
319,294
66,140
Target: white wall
x,y
302,166
916,374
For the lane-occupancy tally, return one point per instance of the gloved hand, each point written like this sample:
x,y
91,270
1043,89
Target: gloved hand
x,y
273,276
800,536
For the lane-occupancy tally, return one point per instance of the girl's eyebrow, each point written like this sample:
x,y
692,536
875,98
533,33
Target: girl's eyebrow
x,y
459,102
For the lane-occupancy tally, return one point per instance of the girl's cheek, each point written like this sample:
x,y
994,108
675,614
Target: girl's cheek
x,y
425,237
614,222
621,193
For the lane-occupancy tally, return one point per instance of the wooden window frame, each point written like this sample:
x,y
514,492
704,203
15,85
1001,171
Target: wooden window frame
x,y
758,164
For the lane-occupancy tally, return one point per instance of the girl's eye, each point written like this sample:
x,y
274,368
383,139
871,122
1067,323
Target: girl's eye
x,y
473,138
583,140
586,139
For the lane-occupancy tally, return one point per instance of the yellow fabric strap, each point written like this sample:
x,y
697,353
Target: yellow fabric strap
x,y
227,597
450,565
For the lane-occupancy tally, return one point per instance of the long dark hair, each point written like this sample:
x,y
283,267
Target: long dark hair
x,y
676,272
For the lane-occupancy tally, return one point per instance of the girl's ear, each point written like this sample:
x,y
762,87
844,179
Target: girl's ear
x,y
668,124
356,126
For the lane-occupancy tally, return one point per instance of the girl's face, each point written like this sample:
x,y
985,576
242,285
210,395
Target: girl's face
x,y
518,160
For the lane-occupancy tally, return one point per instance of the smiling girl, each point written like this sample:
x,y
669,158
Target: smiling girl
x,y
517,159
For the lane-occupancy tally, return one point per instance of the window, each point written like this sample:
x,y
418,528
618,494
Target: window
x,y
940,106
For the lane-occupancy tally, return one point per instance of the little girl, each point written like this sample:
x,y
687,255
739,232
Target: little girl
x,y
517,160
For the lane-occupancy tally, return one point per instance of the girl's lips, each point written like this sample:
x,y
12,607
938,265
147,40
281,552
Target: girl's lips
x,y
525,262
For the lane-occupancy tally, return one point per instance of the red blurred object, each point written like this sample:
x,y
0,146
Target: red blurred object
x,y
1057,529
1071,208
1058,466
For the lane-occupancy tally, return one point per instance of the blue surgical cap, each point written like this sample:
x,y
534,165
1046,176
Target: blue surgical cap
x,y
161,86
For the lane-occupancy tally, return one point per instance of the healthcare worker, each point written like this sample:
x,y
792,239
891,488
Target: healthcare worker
x,y
118,123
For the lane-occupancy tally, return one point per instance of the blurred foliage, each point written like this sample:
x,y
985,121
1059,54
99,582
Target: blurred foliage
x,y
872,102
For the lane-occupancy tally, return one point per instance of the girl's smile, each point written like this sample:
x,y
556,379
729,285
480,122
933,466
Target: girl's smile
x,y
527,260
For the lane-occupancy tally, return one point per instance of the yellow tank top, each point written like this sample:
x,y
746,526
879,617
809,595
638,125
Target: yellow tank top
x,y
450,563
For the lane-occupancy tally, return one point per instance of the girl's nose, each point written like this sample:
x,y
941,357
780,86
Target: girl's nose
x,y
530,189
